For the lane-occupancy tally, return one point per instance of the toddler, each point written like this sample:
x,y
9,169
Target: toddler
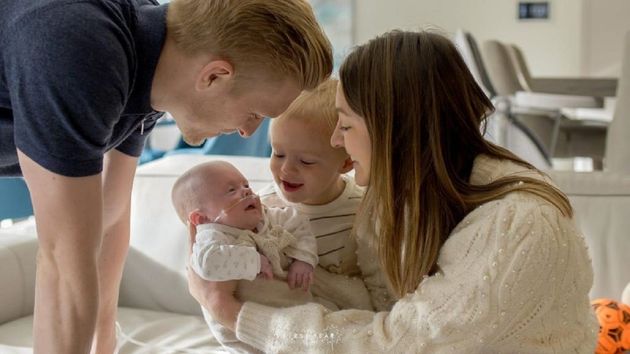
x,y
310,176
238,238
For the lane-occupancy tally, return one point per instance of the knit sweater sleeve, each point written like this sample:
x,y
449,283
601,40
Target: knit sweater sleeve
x,y
505,273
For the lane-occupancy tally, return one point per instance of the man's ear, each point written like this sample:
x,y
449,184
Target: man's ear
x,y
196,217
215,74
347,166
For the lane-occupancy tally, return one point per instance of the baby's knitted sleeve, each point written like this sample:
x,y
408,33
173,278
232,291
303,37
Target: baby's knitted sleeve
x,y
214,258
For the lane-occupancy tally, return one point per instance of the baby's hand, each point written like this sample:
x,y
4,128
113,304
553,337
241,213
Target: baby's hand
x,y
300,275
265,268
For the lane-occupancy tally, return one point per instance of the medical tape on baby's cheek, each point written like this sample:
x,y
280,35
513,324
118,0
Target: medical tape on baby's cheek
x,y
225,211
219,216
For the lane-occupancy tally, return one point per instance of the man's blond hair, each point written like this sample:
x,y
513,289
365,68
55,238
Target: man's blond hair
x,y
315,108
275,37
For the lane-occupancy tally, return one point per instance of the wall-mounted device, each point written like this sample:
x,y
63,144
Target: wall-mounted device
x,y
533,10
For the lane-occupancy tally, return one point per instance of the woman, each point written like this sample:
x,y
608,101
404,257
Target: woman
x,y
477,244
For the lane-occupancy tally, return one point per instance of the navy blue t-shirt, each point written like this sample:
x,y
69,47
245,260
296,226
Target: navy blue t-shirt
x,y
75,80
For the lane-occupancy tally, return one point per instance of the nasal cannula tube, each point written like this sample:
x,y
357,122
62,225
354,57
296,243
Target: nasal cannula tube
x,y
224,211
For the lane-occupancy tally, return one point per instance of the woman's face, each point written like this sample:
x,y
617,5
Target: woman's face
x,y
351,133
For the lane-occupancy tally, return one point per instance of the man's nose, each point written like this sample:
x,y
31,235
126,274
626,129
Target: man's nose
x,y
249,128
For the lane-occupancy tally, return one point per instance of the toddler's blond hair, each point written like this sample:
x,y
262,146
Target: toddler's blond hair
x,y
315,108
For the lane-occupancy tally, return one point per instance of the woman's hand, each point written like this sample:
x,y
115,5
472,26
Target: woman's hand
x,y
216,297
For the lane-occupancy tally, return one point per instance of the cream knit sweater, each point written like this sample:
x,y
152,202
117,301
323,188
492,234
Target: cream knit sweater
x,y
514,278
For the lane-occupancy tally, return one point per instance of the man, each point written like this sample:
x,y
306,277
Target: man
x,y
81,85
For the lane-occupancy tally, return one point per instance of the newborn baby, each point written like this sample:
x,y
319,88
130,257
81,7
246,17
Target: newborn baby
x,y
238,238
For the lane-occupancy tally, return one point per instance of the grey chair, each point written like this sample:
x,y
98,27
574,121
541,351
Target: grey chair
x,y
501,73
500,128
540,112
522,70
596,87
483,73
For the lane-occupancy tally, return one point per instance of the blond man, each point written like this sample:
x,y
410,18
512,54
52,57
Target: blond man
x,y
83,84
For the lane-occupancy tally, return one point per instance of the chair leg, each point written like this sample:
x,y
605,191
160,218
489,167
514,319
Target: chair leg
x,y
532,136
554,134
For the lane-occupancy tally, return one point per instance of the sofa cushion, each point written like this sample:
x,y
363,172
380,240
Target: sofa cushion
x,y
18,250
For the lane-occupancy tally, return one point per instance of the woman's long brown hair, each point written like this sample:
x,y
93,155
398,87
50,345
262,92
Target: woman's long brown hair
x,y
423,111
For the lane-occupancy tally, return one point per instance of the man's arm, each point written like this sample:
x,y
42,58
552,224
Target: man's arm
x,y
117,181
68,213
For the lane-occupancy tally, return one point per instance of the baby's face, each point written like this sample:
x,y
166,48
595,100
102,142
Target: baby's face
x,y
231,201
304,165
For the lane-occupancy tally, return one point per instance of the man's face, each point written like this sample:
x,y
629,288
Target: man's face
x,y
203,116
304,164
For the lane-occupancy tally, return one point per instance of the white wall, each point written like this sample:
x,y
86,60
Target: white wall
x,y
605,25
553,47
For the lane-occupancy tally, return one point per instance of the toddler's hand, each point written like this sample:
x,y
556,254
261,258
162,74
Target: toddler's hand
x,y
265,268
300,275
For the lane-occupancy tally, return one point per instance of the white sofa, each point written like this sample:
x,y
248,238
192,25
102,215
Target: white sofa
x,y
155,306
602,210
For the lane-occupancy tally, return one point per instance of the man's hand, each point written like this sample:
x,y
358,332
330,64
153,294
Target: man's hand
x,y
300,275
265,268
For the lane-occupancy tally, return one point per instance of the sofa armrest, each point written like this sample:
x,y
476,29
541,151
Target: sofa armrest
x,y
18,253
601,202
